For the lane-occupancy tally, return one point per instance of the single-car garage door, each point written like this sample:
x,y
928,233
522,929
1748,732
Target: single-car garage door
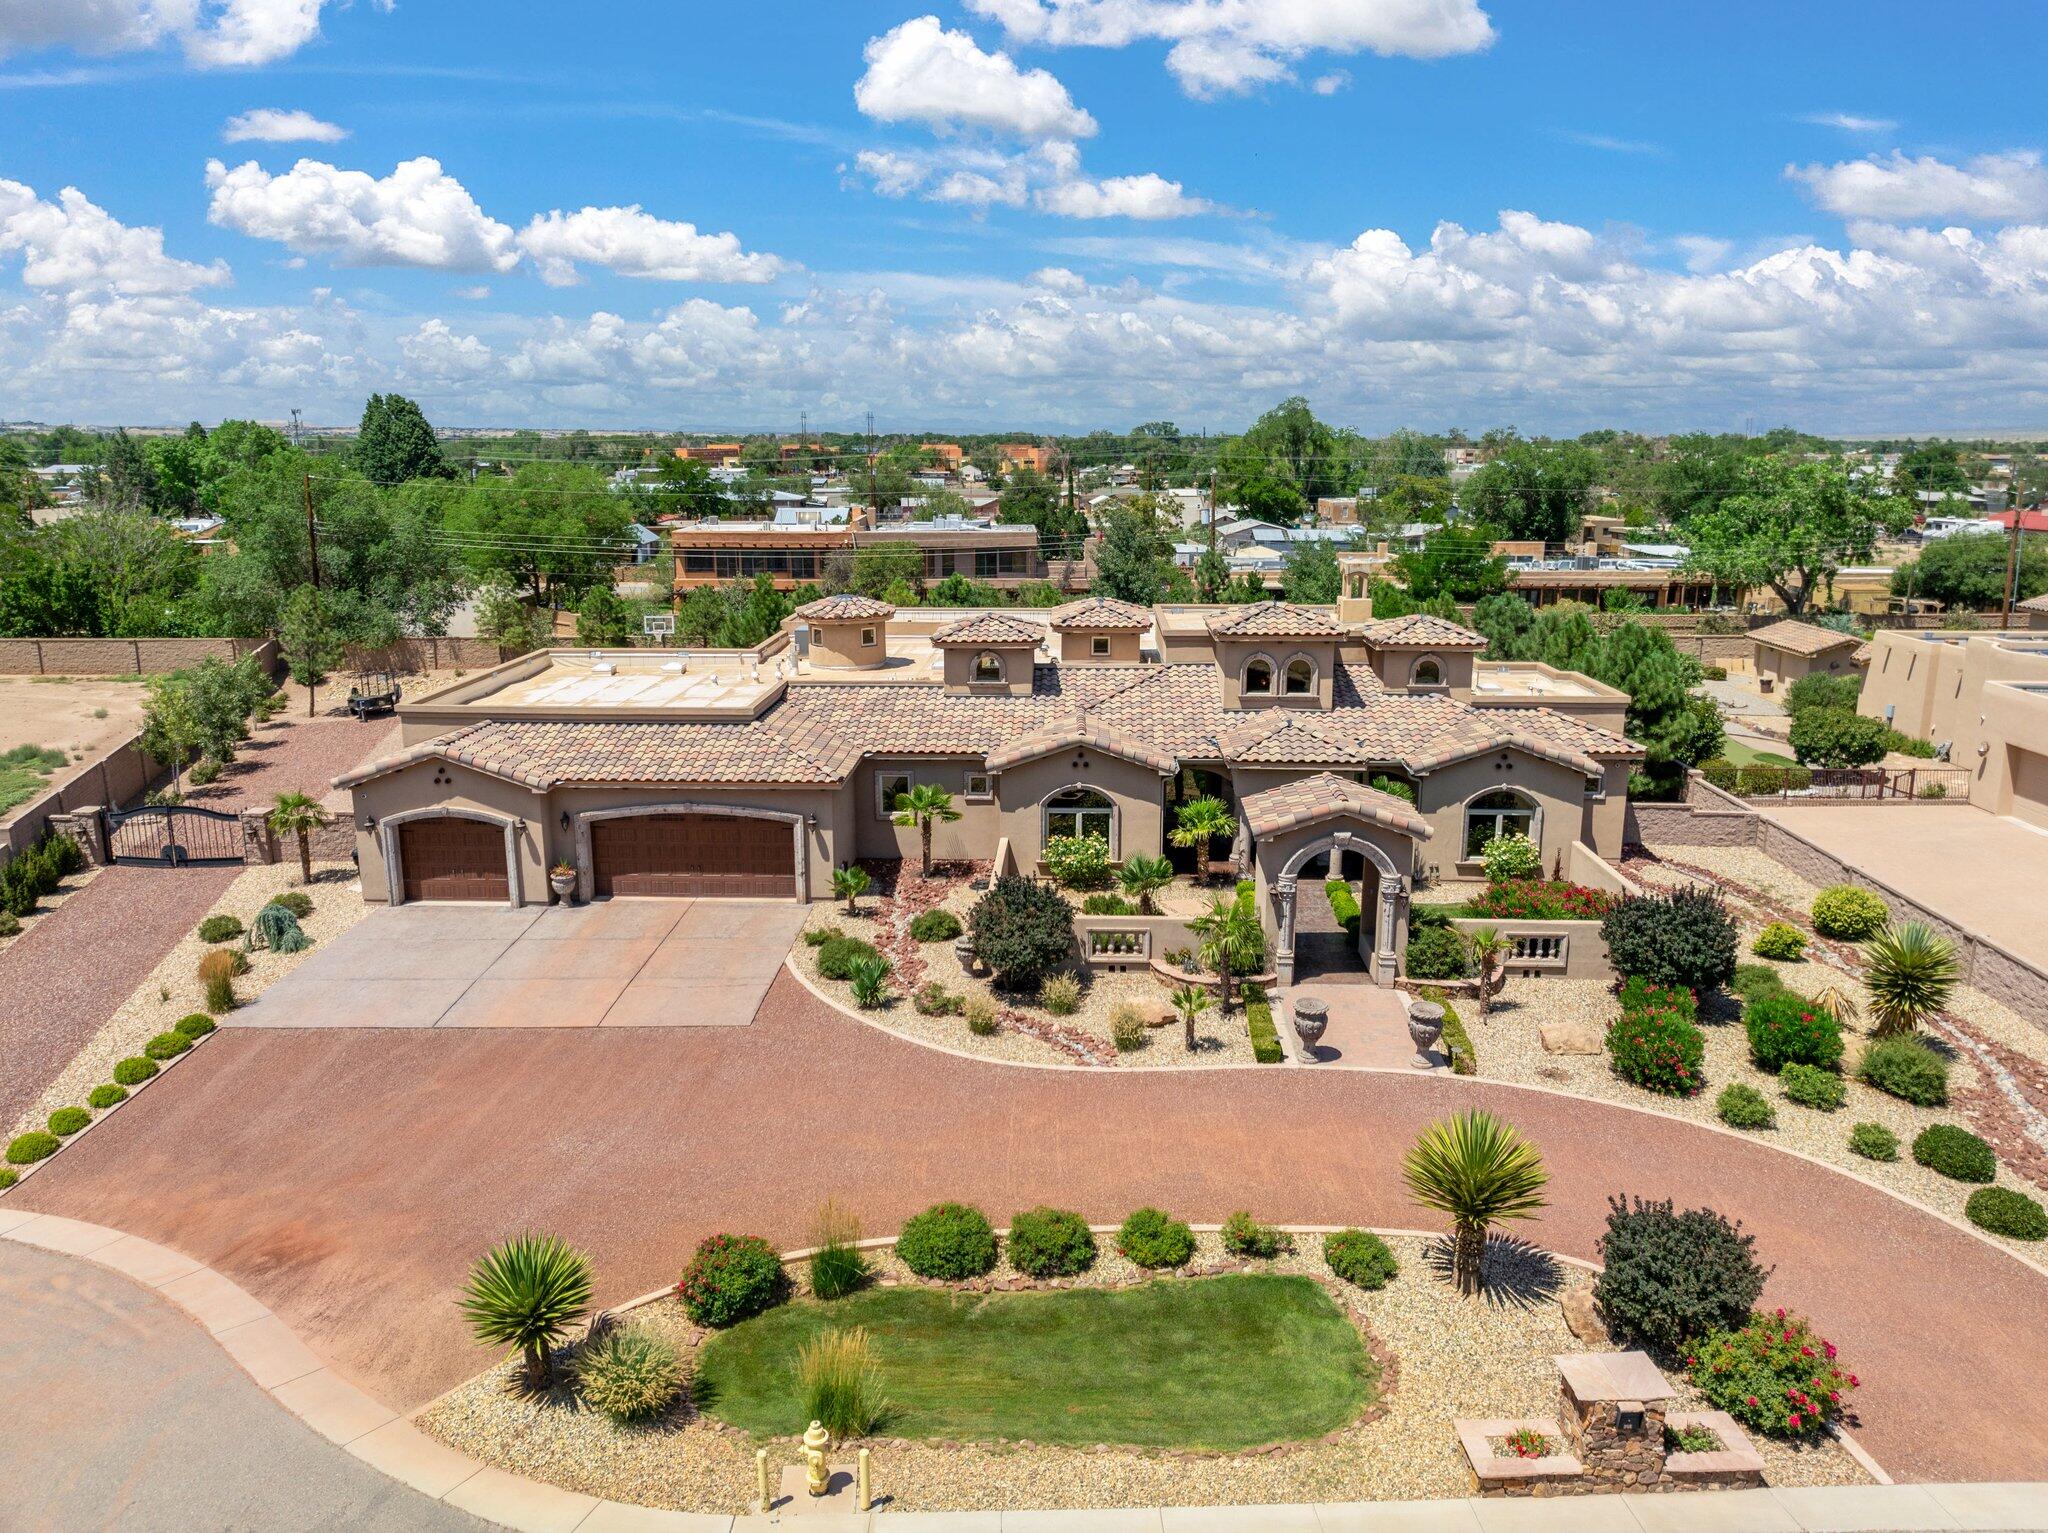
x,y
452,859
736,856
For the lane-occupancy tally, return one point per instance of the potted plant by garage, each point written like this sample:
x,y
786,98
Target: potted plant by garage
x,y
562,876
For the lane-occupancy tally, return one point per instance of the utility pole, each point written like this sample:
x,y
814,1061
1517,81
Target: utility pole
x,y
312,532
2012,566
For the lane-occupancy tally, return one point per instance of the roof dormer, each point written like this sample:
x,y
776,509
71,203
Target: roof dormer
x,y
1100,631
989,653
847,632
1276,655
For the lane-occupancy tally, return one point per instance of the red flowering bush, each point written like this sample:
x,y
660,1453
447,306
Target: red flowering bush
x,y
1654,1044
730,1278
1541,899
1775,1374
1788,1029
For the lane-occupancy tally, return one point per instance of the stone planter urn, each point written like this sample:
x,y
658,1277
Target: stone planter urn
x,y
963,952
1425,1027
563,882
1311,1017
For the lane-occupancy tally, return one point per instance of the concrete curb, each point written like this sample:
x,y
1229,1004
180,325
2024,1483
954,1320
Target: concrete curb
x,y
274,1357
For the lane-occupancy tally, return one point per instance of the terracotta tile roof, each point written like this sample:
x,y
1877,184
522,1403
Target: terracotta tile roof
x,y
1797,638
2035,603
1325,796
1277,620
1860,655
847,607
1099,614
989,628
540,754
1421,631
1081,729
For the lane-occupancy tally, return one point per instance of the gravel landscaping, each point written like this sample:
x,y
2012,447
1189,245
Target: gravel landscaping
x,y
1027,1033
172,989
1441,1357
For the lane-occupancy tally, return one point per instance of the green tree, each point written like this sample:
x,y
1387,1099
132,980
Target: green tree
x,y
170,724
394,443
1508,623
1190,1001
1212,575
1311,575
1535,491
124,481
296,815
1479,1171
1029,496
684,487
506,620
1141,877
603,618
1791,528
1935,466
1135,556
1299,447
878,566
1230,936
136,568
1698,473
553,530
1198,822
1456,560
308,642
925,805
1966,572
850,883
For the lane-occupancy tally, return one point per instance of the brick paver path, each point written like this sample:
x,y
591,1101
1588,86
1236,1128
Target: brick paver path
x,y
71,970
349,1177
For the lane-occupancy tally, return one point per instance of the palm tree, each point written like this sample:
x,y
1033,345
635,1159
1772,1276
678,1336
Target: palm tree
x,y
294,814
526,1292
1490,953
1231,935
850,883
1478,1170
1198,821
1190,1001
1142,877
1910,973
925,805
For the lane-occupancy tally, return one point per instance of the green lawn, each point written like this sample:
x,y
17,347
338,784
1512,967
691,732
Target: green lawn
x,y
25,772
1215,1363
1748,755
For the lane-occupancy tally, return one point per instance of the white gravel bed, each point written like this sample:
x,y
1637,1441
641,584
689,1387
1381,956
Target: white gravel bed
x,y
1452,1357
172,989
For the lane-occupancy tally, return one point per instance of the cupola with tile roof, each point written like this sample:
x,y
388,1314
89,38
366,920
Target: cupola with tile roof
x,y
847,632
1273,654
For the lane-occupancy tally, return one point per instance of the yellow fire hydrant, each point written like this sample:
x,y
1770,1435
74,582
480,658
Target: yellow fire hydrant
x,y
816,1438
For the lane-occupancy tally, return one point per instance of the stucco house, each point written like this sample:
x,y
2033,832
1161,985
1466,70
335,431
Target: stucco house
x,y
756,774
1787,650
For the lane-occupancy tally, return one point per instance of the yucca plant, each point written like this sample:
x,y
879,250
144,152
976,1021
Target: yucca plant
x,y
1196,823
1480,1171
294,814
1142,877
1910,973
850,883
1190,1001
925,805
1839,1002
525,1292
841,1385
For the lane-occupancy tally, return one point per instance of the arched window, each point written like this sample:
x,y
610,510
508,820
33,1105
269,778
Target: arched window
x,y
1300,677
1258,677
1080,812
988,666
1428,672
1501,812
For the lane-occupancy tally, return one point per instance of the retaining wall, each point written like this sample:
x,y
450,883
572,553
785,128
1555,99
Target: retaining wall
x,y
411,656
108,780
124,657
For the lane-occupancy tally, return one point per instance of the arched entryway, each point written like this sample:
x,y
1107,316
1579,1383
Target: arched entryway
x,y
1333,941
1382,914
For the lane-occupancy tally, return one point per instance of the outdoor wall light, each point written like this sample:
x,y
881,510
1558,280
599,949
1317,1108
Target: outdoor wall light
x,y
565,819
369,822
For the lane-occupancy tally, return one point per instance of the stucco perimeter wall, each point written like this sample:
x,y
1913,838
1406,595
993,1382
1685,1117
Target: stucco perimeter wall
x,y
1138,792
870,833
124,657
108,781
1708,817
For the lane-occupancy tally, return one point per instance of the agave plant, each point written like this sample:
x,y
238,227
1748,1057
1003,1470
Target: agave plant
x,y
1910,973
1478,1170
526,1292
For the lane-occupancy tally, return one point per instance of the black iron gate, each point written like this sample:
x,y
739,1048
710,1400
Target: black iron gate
x,y
172,835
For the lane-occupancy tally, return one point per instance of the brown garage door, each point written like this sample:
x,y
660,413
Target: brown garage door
x,y
694,854
452,860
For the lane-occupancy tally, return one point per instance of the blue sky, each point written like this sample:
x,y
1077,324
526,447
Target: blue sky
x,y
1049,214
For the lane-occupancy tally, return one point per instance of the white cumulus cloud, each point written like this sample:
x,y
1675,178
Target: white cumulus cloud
x,y
269,125
74,247
921,72
1226,46
1146,196
419,215
213,33
1992,188
637,244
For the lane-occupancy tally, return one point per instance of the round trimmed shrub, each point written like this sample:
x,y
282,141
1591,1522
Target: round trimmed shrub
x,y
1743,1106
1510,857
1658,1050
1873,1141
949,1241
1789,1029
630,1373
1360,1258
10,924
1955,1153
1780,940
729,1278
219,929
1811,1086
8,1177
198,1025
1023,930
1684,940
1153,1238
1051,1242
66,1121
1906,1068
935,926
1245,1236
1437,952
167,1045
134,1070
298,903
1848,913
27,1149
839,957
1774,1375
109,1095
2003,1211
1667,1276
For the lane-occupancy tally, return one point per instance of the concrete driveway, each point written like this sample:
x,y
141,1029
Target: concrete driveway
x,y
622,963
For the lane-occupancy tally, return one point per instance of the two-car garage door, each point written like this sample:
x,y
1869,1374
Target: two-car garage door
x,y
736,856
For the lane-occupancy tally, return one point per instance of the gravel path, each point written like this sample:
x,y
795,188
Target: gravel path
x,y
1453,1357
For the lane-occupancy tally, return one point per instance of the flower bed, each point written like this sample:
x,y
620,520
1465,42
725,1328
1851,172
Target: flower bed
x,y
1539,899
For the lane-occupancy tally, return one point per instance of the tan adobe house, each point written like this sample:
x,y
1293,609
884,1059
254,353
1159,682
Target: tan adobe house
x,y
1983,695
1788,650
756,774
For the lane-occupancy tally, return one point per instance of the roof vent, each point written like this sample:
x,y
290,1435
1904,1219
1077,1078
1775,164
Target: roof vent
x,y
605,668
